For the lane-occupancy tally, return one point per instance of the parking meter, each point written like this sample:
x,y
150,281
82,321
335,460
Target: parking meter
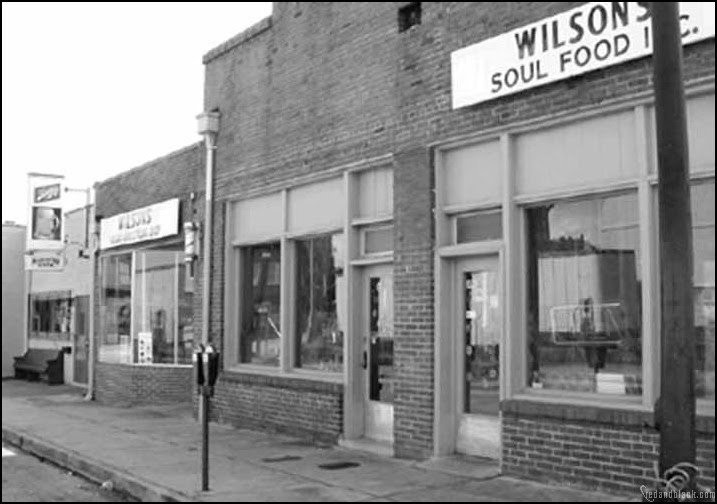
x,y
197,367
210,367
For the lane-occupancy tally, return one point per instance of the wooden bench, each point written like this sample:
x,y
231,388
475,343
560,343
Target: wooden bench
x,y
36,363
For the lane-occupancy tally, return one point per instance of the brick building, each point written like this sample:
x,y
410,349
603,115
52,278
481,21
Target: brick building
x,y
403,264
146,310
418,257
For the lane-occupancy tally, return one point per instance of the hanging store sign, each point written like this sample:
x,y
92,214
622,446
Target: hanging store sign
x,y
594,35
148,223
45,260
46,229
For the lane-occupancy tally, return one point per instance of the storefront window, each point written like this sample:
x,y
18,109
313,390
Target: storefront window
x,y
703,234
150,322
319,326
116,309
260,340
51,315
584,296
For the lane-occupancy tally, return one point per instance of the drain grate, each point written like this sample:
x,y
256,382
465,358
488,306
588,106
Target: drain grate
x,y
283,458
333,466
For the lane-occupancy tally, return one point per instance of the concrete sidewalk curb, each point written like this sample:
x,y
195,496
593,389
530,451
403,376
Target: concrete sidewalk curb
x,y
92,469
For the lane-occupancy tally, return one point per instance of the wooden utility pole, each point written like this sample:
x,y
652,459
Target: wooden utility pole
x,y
677,388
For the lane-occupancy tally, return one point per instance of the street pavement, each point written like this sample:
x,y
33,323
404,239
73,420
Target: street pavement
x,y
152,452
26,479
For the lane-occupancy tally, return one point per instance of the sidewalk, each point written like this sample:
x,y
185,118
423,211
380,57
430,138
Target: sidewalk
x,y
152,453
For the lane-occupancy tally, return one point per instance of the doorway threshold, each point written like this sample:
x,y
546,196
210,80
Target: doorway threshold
x,y
480,468
377,447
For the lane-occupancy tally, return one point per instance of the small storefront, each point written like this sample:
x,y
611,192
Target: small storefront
x,y
58,301
146,329
146,291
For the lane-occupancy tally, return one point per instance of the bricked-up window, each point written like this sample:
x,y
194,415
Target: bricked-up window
x,y
260,339
584,296
320,314
116,309
409,15
703,236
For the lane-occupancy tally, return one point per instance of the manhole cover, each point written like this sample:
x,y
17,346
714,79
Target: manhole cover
x,y
333,466
283,458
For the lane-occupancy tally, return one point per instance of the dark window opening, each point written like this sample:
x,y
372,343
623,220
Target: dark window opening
x,y
409,15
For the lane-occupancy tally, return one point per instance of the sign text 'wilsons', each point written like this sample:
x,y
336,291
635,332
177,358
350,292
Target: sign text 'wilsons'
x,y
147,223
592,36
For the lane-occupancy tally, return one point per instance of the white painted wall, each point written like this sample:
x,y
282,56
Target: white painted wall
x,y
13,295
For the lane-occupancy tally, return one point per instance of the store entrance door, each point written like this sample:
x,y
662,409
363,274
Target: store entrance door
x,y
377,359
81,347
478,331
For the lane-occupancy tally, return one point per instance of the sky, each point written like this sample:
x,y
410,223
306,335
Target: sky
x,y
90,90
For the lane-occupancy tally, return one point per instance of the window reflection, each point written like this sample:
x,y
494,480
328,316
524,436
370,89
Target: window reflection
x,y
260,340
703,233
116,309
584,286
319,285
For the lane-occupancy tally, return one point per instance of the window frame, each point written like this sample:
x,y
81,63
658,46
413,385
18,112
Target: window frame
x,y
482,211
362,240
353,258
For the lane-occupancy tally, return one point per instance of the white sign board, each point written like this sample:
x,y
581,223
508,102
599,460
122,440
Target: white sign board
x,y
594,35
45,260
148,223
45,217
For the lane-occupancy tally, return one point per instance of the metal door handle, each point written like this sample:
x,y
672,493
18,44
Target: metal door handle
x,y
364,360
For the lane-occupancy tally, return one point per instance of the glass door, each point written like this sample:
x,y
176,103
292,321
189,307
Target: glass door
x,y
479,331
378,352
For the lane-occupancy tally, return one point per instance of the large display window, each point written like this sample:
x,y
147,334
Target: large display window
x,y
584,295
146,309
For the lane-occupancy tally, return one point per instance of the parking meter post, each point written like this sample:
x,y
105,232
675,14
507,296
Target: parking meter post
x,y
205,438
205,418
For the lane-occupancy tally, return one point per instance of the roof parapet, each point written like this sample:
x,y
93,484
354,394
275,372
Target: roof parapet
x,y
239,39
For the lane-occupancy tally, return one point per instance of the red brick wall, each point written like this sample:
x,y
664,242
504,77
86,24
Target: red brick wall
x,y
325,84
125,384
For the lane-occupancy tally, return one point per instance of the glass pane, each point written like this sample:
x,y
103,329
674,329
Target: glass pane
x,y
115,309
378,240
260,340
319,330
482,340
154,306
584,296
186,334
478,227
381,377
703,233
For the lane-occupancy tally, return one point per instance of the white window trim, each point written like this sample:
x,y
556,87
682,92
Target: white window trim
x,y
514,361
